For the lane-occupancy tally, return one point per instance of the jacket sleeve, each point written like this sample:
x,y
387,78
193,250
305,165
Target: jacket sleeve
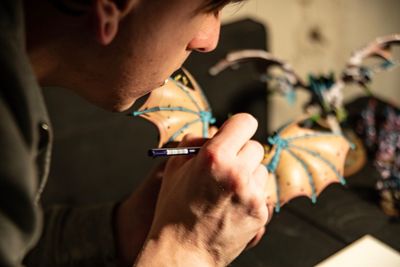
x,y
71,236
76,237
20,218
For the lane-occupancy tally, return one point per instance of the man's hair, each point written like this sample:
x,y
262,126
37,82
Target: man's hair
x,y
212,5
78,7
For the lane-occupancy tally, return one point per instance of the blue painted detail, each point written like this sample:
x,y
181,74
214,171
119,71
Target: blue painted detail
x,y
155,109
319,84
291,97
314,135
387,64
314,199
278,141
366,72
352,146
183,88
283,127
280,144
310,178
181,130
277,207
207,117
327,162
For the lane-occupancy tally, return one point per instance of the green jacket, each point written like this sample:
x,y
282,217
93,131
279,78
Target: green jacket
x,y
66,236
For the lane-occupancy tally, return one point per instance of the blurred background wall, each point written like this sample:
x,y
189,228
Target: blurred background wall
x,y
318,36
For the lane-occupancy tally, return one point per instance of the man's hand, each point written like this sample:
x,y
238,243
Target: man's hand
x,y
210,205
133,217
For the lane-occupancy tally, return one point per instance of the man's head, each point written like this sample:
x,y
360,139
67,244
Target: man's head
x,y
114,51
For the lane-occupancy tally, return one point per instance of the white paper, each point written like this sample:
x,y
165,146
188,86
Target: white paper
x,y
365,252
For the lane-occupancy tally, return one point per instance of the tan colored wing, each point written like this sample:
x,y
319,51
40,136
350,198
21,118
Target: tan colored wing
x,y
306,162
357,157
177,109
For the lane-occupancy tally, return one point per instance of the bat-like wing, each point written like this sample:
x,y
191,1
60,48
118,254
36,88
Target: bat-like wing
x,y
177,108
303,162
357,71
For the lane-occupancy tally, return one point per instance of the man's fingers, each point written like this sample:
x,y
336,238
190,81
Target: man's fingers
x,y
251,154
189,140
270,212
235,132
212,131
260,178
256,239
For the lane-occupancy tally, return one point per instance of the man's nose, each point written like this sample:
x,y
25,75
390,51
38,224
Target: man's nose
x,y
206,39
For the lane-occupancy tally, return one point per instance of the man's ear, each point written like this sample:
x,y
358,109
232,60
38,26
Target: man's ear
x,y
107,16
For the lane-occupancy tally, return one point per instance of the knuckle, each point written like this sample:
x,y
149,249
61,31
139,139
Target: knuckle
x,y
258,208
236,180
230,175
214,156
255,203
189,136
235,174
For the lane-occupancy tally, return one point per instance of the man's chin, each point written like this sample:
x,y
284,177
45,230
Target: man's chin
x,y
122,106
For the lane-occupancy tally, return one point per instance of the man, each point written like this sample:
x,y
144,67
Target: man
x,y
111,52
